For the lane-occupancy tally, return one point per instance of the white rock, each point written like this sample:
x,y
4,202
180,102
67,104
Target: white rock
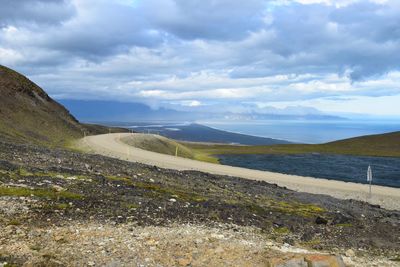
x,y
350,253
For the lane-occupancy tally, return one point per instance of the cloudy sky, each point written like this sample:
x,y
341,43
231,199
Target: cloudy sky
x,y
333,55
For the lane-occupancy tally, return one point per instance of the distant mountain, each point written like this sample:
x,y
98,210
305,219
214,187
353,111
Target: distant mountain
x,y
100,111
28,114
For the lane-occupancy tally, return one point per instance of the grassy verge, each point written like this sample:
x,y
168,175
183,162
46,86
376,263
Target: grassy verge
x,y
41,193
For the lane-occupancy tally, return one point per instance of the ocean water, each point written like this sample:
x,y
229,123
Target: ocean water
x,y
386,171
311,132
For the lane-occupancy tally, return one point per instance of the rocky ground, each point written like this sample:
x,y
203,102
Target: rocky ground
x,y
63,208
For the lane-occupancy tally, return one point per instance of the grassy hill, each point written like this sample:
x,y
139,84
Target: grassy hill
x,y
29,115
386,145
163,145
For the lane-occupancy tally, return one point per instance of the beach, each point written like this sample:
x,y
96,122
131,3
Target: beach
x,y
112,146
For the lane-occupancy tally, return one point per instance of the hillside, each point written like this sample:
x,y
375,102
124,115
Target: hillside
x,y
375,145
163,145
28,114
384,145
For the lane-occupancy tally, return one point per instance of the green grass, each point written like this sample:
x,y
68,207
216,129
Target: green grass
x,y
41,193
163,145
14,222
62,206
281,230
384,145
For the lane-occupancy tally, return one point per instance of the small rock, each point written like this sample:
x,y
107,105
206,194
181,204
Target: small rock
x,y
172,200
58,188
219,250
350,253
58,237
184,262
321,220
269,244
217,236
324,260
91,263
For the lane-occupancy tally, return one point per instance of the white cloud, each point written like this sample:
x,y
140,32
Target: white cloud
x,y
199,53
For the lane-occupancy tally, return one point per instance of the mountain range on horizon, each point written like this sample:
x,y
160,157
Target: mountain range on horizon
x,y
108,110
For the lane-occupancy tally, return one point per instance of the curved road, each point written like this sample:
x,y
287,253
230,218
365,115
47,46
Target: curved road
x,y
111,145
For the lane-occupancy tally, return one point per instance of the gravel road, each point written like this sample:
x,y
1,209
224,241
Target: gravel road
x,y
111,145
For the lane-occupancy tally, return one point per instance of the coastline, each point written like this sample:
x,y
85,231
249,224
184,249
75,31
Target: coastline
x,y
110,145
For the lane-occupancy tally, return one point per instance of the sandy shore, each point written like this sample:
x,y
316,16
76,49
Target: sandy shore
x,y
110,145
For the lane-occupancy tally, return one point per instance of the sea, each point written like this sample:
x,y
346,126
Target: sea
x,y
307,131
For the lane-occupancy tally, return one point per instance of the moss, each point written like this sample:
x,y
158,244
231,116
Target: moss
x,y
132,206
305,210
281,230
62,206
42,193
344,225
23,172
14,222
120,179
262,206
254,208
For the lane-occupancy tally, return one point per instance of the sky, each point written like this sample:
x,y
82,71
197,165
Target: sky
x,y
336,56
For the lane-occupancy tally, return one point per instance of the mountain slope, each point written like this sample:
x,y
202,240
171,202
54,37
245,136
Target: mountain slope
x,y
384,145
387,144
28,114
